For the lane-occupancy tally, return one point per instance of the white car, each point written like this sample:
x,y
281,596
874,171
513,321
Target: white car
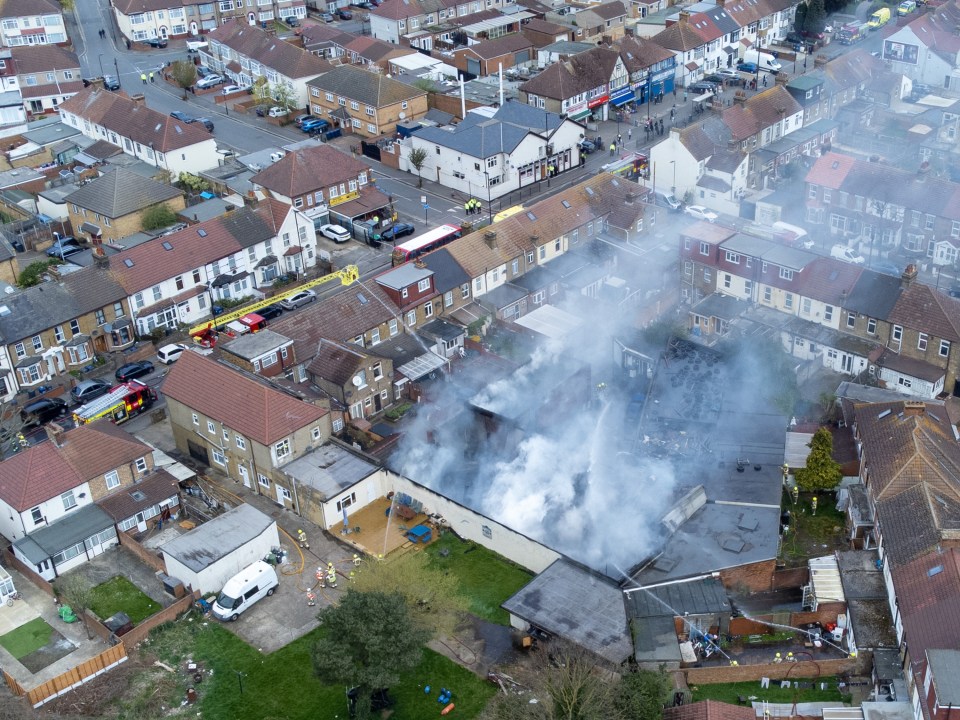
x,y
337,233
209,81
277,112
301,298
700,213
227,90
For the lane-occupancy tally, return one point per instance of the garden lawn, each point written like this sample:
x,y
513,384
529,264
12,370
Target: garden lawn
x,y
119,594
730,692
283,684
27,638
485,578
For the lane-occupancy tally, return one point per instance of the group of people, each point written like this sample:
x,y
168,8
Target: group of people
x,y
472,206
654,126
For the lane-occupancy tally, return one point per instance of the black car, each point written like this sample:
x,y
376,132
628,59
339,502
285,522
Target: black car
x,y
89,390
134,370
182,116
110,82
587,146
794,37
42,411
270,312
63,247
344,14
292,21
157,42
207,123
702,87
364,5
397,230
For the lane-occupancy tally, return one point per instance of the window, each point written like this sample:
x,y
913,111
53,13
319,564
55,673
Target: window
x,y
897,334
423,285
851,320
922,341
727,280
241,442
448,298
36,515
263,480
944,348
337,425
394,326
786,274
37,343
704,248
59,334
282,449
21,351
828,313
68,500
346,502
75,327
465,291
871,326
101,317
806,306
543,252
378,371
315,433
141,465
196,420
428,310
218,457
732,257
211,428
411,318
788,301
707,275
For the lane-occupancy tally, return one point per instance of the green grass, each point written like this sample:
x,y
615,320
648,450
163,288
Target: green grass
x,y
282,685
812,535
485,578
27,638
730,692
119,594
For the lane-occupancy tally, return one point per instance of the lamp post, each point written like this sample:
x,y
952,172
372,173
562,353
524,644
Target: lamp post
x,y
489,202
117,68
426,209
100,60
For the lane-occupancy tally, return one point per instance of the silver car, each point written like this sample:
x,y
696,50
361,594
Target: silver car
x,y
296,300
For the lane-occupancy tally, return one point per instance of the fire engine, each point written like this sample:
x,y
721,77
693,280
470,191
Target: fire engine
x,y
120,404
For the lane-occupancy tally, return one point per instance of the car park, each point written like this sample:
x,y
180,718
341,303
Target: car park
x,y
42,411
397,230
110,82
270,312
337,233
298,299
63,247
700,213
133,370
209,81
88,390
182,116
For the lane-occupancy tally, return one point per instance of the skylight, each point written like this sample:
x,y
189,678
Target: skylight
x,y
128,262
362,298
166,245
201,232
565,203
531,217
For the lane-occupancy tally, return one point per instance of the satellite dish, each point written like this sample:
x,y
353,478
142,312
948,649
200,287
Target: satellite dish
x,y
357,381
402,116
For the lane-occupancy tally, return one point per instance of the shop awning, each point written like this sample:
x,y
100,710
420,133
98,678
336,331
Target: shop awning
x,y
580,115
623,99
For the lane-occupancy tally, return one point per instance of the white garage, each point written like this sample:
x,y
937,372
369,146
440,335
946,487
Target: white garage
x,y
209,555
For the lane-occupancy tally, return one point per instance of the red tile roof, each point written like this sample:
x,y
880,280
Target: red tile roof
x,y
928,591
921,306
828,280
709,710
286,59
830,170
241,403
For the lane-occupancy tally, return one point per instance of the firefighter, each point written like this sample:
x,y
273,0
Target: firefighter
x,y
311,599
302,539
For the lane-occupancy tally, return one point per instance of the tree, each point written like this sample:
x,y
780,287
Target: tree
x,y
800,17
417,157
822,472
261,91
33,273
370,638
816,17
642,694
433,597
156,217
425,84
76,591
184,74
283,95
193,183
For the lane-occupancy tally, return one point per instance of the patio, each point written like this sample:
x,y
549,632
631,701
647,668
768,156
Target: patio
x,y
377,533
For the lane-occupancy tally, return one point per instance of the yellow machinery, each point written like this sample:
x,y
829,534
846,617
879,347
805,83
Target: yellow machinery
x,y
347,276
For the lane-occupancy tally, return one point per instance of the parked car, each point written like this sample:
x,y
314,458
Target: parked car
x,y
157,42
292,21
110,82
587,146
270,312
847,254
209,81
702,87
747,67
728,73
88,390
63,247
668,200
315,125
337,233
301,298
397,230
207,123
230,89
300,119
327,17
363,5
182,116
277,111
133,370
42,411
202,71
169,354
700,213
344,14
886,267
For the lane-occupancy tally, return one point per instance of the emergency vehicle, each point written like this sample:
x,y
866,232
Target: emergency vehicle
x,y
120,404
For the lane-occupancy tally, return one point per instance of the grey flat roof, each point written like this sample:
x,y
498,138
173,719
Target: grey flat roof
x,y
705,596
502,296
66,532
574,603
946,669
45,132
329,469
403,276
655,639
207,543
254,345
442,329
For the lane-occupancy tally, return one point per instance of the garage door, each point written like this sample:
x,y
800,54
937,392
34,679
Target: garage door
x,y
198,452
521,57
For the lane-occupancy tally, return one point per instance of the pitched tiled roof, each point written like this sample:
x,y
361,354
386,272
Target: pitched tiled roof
x,y
759,112
120,193
28,59
336,362
539,25
323,34
143,266
488,49
928,593
115,111
374,89
21,8
680,37
938,30
576,75
45,471
830,170
640,54
127,501
286,59
308,169
250,408
374,50
923,308
135,7
609,10
828,280
709,710
397,9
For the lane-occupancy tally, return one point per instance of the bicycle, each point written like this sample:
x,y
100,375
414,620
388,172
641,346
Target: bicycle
x,y
13,597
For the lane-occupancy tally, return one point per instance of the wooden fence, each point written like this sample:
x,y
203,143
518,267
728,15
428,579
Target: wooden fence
x,y
82,673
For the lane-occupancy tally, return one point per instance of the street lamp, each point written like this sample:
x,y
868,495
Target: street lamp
x,y
117,67
100,60
490,203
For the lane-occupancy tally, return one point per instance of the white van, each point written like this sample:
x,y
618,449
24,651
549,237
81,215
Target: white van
x,y
244,589
169,354
765,61
842,252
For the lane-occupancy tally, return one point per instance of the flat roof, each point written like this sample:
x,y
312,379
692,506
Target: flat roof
x,y
329,469
214,540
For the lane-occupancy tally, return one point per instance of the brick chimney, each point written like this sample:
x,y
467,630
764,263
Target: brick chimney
x,y
55,433
914,407
100,258
490,238
138,99
909,276
684,15
97,83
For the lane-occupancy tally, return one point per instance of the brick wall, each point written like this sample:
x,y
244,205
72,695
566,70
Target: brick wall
x,y
777,672
755,577
147,556
826,613
168,614
450,104
793,577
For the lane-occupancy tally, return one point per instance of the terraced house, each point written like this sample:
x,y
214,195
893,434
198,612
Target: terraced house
x,y
140,20
46,75
58,326
31,22
398,20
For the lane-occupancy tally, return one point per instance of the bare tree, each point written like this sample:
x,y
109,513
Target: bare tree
x,y
417,157
184,74
76,590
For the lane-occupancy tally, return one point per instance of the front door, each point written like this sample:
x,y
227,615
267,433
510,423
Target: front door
x,y
376,402
847,363
279,490
141,522
244,475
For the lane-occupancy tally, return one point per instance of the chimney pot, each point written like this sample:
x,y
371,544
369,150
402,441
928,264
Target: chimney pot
x,y
55,433
909,276
491,239
914,407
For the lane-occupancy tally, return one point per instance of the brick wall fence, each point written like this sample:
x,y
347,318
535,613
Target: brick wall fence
x,y
778,672
790,578
146,556
168,614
